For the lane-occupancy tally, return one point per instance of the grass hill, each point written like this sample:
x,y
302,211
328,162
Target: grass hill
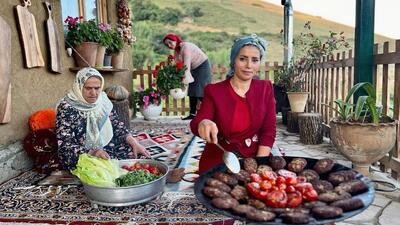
x,y
214,24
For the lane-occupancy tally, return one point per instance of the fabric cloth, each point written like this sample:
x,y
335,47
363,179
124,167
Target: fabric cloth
x,y
98,125
241,113
71,135
218,105
252,39
202,77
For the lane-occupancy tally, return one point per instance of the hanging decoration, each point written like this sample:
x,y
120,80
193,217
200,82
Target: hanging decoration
x,y
124,24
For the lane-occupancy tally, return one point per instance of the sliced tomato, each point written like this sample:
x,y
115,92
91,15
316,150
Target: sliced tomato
x,y
145,166
153,170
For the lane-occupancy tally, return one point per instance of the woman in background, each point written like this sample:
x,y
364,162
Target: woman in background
x,y
198,72
239,112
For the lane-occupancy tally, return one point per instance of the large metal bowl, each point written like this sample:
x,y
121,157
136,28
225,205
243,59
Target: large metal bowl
x,y
124,196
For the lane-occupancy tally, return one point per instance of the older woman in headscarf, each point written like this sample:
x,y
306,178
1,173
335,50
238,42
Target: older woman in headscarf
x,y
239,112
198,72
87,123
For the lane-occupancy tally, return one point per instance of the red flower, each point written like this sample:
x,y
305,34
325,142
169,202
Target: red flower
x,y
162,63
179,64
171,58
157,67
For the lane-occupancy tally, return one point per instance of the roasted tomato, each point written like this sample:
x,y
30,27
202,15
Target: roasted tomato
x,y
304,187
294,199
269,175
310,195
255,177
286,173
290,189
265,185
277,199
253,188
291,180
280,180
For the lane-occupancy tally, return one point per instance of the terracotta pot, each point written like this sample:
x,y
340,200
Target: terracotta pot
x,y
298,101
101,51
85,54
117,60
363,143
152,112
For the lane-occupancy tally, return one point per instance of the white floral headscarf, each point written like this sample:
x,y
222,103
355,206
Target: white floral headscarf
x,y
98,125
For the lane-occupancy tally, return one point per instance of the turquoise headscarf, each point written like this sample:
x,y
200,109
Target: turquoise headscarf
x,y
252,39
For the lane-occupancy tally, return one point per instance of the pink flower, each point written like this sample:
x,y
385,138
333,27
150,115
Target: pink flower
x,y
103,27
140,88
163,97
155,101
153,84
146,99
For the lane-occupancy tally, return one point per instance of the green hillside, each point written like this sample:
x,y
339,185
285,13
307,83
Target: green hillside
x,y
214,24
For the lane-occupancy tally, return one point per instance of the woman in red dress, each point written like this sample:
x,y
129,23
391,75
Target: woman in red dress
x,y
239,112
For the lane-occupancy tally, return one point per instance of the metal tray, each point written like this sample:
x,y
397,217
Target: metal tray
x,y
367,197
125,196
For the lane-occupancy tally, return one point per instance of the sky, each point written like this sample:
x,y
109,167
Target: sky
x,y
387,13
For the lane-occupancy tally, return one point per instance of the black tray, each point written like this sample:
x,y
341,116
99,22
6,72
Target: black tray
x,y
367,197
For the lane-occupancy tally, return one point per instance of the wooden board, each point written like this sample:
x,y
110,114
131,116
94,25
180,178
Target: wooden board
x,y
54,41
5,72
29,36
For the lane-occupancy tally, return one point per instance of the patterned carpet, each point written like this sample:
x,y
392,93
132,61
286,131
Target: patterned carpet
x,y
22,201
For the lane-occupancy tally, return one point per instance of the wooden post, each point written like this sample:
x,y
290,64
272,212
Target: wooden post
x,y
310,128
292,122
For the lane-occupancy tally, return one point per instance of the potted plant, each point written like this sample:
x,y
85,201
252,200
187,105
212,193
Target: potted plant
x,y
115,48
149,102
169,78
83,37
308,49
105,40
360,132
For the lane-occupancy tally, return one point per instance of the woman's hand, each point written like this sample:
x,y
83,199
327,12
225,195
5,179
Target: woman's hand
x,y
136,147
263,151
99,153
208,130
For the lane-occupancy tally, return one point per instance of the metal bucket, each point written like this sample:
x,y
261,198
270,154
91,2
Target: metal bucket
x,y
125,196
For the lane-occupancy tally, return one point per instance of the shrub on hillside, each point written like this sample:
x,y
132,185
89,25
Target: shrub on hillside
x,y
170,16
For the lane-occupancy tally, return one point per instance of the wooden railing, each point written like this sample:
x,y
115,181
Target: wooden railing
x,y
333,77
143,78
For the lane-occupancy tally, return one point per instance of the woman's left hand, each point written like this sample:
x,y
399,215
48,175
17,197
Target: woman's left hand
x,y
136,147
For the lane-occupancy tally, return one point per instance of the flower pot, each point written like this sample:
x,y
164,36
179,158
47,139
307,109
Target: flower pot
x,y
85,54
107,60
117,60
297,101
178,93
152,112
101,51
363,143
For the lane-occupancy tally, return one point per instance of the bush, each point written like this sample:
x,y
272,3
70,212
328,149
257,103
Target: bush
x,y
193,11
170,16
145,10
